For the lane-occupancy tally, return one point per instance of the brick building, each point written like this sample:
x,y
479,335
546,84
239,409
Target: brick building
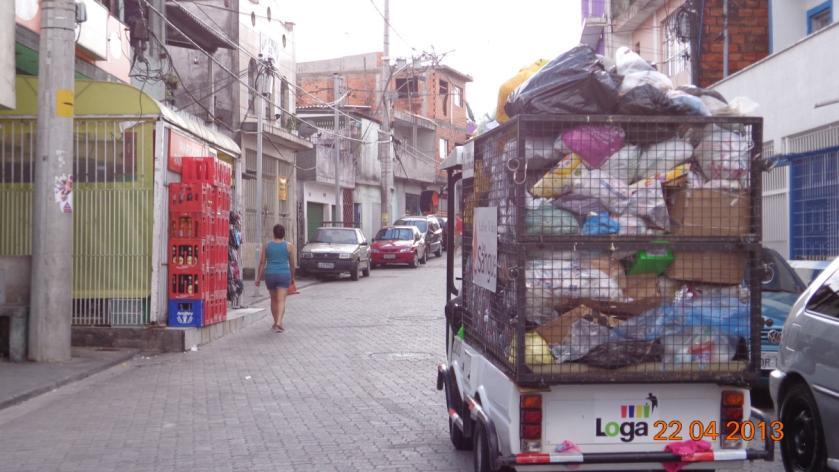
x,y
428,117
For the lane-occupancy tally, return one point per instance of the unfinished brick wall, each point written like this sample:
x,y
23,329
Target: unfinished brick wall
x,y
362,86
748,33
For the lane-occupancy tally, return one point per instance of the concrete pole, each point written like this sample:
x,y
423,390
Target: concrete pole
x,y
336,87
52,221
384,111
262,79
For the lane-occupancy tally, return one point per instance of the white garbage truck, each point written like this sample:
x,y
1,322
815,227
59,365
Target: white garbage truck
x,y
604,310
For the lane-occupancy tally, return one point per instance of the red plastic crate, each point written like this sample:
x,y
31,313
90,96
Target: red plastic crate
x,y
191,225
188,285
189,255
192,197
207,170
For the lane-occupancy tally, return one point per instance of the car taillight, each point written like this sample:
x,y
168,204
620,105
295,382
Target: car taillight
x,y
731,416
530,409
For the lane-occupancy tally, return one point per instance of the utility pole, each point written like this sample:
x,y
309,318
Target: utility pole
x,y
51,300
336,87
384,137
259,103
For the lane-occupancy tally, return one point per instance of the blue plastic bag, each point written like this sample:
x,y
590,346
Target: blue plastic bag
x,y
600,224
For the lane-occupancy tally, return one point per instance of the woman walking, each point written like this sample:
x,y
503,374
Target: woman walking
x,y
276,266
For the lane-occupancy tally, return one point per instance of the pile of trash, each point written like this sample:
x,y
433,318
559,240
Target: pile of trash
x,y
633,178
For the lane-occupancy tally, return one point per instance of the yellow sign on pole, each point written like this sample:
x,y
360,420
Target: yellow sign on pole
x,y
282,188
64,103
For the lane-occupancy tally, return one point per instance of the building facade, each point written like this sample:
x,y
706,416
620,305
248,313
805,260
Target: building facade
x,y
250,29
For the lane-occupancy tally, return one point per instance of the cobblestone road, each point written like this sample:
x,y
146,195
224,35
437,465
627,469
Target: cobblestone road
x,y
349,386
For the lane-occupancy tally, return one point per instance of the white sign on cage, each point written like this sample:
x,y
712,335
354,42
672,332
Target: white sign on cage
x,y
485,248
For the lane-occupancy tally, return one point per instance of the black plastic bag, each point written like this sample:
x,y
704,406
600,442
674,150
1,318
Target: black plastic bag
x,y
614,355
575,82
645,100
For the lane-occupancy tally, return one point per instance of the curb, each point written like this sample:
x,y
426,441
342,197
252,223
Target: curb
x,y
126,356
254,301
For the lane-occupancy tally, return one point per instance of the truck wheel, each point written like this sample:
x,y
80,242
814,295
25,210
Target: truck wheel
x,y
803,445
459,441
481,451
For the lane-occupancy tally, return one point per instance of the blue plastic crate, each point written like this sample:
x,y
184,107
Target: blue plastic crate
x,y
186,313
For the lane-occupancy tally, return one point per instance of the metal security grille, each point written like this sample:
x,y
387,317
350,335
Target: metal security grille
x,y
814,184
813,140
628,248
112,206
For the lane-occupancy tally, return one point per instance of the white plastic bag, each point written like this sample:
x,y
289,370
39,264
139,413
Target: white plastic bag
x,y
698,345
584,336
648,77
663,156
724,155
612,193
648,201
627,61
623,165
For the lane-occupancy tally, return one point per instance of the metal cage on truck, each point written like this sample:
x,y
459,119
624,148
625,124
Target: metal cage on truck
x,y
628,249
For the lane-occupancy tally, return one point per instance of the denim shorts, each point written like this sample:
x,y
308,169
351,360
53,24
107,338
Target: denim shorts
x,y
275,281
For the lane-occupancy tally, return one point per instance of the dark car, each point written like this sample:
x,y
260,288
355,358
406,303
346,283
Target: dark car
x,y
444,222
335,251
429,227
781,287
399,245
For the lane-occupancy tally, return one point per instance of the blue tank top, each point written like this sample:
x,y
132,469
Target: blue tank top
x,y
276,256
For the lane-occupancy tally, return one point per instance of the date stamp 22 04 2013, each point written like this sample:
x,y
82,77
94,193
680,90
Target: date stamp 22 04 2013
x,y
732,431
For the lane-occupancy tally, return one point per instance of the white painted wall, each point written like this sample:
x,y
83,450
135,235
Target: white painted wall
x,y
7,56
370,198
788,84
789,20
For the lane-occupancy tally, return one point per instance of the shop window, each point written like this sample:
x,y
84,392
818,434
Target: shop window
x,y
405,88
819,16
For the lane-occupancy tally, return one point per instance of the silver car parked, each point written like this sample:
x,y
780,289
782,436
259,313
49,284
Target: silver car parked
x,y
805,387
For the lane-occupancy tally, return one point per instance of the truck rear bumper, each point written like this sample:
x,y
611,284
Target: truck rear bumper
x,y
709,459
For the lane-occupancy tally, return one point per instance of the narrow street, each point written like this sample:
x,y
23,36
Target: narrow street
x,y
349,386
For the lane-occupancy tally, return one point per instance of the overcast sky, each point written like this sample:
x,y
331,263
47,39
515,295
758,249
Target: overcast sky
x,y
490,39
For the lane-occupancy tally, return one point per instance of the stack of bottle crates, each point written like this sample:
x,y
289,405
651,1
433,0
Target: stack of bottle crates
x,y
199,209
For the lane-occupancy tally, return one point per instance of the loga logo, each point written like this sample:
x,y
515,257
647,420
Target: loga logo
x,y
632,422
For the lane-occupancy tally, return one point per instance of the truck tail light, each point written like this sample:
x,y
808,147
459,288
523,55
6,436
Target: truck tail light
x,y
530,408
731,416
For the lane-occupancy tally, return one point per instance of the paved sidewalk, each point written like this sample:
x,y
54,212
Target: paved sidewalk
x,y
24,380
253,295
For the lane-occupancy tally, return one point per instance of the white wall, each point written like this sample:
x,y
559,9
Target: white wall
x,y
7,57
789,20
788,84
370,198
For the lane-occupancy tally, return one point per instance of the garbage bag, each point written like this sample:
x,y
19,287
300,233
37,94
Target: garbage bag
x,y
574,82
645,99
647,201
594,143
628,61
623,165
549,221
558,180
585,335
654,78
539,152
570,276
663,156
683,103
698,345
600,224
724,154
633,226
614,355
509,86
582,205
612,193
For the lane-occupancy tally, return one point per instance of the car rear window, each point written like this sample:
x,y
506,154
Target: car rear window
x,y
421,225
336,236
393,234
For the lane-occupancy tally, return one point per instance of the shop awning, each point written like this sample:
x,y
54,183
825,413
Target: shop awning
x,y
112,99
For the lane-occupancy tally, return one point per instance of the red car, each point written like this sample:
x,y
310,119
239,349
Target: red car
x,y
399,245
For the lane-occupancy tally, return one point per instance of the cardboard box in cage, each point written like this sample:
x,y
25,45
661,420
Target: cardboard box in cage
x,y
707,212
712,267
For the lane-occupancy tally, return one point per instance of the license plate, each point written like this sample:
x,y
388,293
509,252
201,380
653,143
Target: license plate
x,y
326,265
390,256
768,360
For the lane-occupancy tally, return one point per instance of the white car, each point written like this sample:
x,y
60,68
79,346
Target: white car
x,y
805,387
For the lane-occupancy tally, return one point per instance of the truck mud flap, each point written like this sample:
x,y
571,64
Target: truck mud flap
x,y
447,383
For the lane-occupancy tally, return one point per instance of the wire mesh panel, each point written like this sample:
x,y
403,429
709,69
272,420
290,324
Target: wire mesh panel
x,y
626,248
